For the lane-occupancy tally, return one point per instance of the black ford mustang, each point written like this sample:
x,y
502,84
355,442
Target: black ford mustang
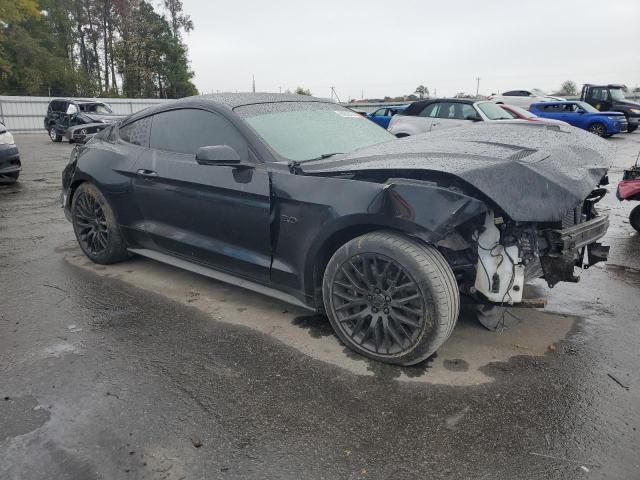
x,y
255,189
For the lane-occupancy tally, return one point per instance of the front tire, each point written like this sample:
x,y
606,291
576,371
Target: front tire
x,y
634,218
391,298
53,135
631,128
598,129
95,226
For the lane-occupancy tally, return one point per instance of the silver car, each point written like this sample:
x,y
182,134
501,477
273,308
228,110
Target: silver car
x,y
431,115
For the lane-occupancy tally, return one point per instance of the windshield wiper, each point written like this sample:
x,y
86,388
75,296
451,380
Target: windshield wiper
x,y
326,155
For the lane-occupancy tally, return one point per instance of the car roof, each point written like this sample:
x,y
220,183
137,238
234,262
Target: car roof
x,y
227,101
420,104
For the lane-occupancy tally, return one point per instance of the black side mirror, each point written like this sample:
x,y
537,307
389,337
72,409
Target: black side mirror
x,y
217,155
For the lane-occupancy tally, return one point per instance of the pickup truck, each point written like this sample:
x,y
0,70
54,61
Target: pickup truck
x,y
611,98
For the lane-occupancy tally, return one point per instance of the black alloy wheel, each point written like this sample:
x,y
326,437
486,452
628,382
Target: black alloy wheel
x,y
378,304
634,218
390,298
95,226
598,129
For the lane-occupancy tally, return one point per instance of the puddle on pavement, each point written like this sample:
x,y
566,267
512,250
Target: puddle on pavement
x,y
459,362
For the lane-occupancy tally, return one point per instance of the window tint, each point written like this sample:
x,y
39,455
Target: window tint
x,y
380,112
137,132
452,110
600,94
58,106
186,130
512,93
430,110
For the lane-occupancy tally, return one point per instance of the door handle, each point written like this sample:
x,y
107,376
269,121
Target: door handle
x,y
147,174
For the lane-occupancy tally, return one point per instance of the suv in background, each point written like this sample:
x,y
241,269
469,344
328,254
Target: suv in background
x,y
77,119
611,98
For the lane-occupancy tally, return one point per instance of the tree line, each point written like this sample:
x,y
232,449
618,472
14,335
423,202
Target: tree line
x,y
94,48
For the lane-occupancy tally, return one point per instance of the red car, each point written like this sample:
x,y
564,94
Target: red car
x,y
629,189
522,114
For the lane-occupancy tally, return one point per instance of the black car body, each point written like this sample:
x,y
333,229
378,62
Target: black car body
x,y
259,203
10,164
611,98
77,120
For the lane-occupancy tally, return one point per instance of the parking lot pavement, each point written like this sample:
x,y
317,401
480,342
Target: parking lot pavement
x,y
139,370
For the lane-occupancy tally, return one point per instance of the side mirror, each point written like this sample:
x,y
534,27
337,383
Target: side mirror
x,y
217,155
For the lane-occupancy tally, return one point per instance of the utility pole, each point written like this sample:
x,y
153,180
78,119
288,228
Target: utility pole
x,y
253,77
477,86
280,89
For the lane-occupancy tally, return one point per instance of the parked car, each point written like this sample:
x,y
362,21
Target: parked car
x,y
431,115
629,189
251,189
522,114
383,115
582,115
10,165
611,98
523,98
77,120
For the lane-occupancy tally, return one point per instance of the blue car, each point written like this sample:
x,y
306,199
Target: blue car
x,y
582,115
383,115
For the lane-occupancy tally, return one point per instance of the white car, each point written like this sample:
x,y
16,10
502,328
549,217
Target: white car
x,y
524,98
432,115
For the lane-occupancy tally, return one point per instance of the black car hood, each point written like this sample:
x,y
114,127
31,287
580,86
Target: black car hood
x,y
533,172
103,118
626,103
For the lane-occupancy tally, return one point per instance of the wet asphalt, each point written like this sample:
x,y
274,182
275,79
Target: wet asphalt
x,y
102,380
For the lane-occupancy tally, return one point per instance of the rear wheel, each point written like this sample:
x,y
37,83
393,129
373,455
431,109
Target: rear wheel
x,y
598,129
53,135
9,177
391,298
634,218
95,226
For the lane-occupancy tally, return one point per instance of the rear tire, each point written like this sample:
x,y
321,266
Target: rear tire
x,y
634,218
402,135
9,178
53,135
598,129
96,227
391,298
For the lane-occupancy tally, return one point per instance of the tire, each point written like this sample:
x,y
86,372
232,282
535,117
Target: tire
x,y
598,129
634,218
402,135
401,326
631,128
95,226
53,135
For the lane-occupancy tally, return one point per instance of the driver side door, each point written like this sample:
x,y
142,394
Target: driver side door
x,y
209,214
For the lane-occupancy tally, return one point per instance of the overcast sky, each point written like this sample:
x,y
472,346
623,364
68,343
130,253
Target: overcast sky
x,y
388,47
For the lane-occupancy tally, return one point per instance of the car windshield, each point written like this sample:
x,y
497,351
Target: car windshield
x,y
493,111
586,107
302,131
521,112
100,108
617,93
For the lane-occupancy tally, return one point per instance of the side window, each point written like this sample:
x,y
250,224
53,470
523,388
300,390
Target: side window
x,y
524,93
186,130
510,94
136,132
468,111
379,112
430,110
448,110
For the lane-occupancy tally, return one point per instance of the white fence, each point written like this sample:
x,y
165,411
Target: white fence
x,y
26,114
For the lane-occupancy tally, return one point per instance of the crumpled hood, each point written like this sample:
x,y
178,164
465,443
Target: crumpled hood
x,y
103,118
533,172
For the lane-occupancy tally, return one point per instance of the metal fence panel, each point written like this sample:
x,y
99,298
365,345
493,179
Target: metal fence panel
x,y
26,114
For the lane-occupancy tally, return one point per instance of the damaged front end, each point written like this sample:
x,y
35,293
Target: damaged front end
x,y
513,253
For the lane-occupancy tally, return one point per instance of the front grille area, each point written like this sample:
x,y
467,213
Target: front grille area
x,y
572,217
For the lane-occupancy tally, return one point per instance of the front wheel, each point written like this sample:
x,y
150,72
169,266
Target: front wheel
x,y
391,298
95,226
631,128
634,218
598,129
